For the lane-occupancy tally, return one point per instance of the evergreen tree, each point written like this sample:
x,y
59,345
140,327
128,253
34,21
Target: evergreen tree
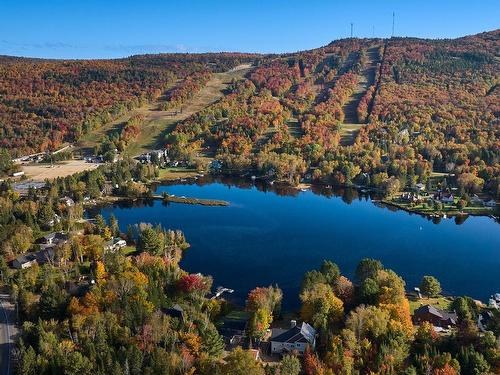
x,y
212,342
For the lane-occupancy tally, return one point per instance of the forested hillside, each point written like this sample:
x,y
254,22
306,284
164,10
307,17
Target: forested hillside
x,y
385,113
376,112
44,103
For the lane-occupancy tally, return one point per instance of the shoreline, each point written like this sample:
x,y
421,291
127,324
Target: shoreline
x,y
112,199
436,213
301,187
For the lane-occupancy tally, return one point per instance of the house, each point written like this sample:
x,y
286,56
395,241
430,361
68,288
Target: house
x,y
115,244
490,203
68,201
53,239
28,260
215,165
420,186
411,197
476,200
175,312
56,219
24,261
435,316
297,338
233,327
447,198
49,239
494,301
234,332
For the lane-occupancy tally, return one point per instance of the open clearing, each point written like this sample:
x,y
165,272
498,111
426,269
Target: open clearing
x,y
41,172
439,302
159,123
350,128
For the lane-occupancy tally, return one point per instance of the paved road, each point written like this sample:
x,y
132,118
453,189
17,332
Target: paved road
x,y
8,332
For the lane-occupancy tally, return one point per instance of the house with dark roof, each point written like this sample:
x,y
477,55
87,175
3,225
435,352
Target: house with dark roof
x,y
435,316
233,327
297,338
175,312
29,259
24,261
53,239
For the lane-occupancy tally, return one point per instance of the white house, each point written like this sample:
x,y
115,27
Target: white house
x,y
447,198
68,201
297,338
115,244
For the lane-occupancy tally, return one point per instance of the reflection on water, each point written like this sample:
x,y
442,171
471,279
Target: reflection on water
x,y
273,234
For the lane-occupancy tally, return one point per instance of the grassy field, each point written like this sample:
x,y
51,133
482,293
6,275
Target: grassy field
x,y
168,174
41,172
160,123
238,314
348,133
128,250
440,302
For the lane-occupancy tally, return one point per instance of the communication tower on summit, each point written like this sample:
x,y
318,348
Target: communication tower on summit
x,y
393,17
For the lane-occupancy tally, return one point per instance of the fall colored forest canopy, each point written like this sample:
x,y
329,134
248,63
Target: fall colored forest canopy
x,y
414,107
44,103
418,106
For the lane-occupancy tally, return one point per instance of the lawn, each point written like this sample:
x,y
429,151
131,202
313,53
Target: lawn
x,y
238,315
129,250
176,173
440,302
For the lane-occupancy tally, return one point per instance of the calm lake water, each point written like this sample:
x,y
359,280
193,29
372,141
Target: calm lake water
x,y
273,237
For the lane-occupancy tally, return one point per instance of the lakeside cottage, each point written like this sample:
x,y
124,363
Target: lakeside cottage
x,y
435,316
234,332
297,338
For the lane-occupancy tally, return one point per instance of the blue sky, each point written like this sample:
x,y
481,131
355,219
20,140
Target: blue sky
x,y
111,28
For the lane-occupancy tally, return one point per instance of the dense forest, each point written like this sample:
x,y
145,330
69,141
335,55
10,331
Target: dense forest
x,y
90,308
44,103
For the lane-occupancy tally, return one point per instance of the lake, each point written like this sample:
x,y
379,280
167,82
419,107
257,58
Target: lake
x,y
274,236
